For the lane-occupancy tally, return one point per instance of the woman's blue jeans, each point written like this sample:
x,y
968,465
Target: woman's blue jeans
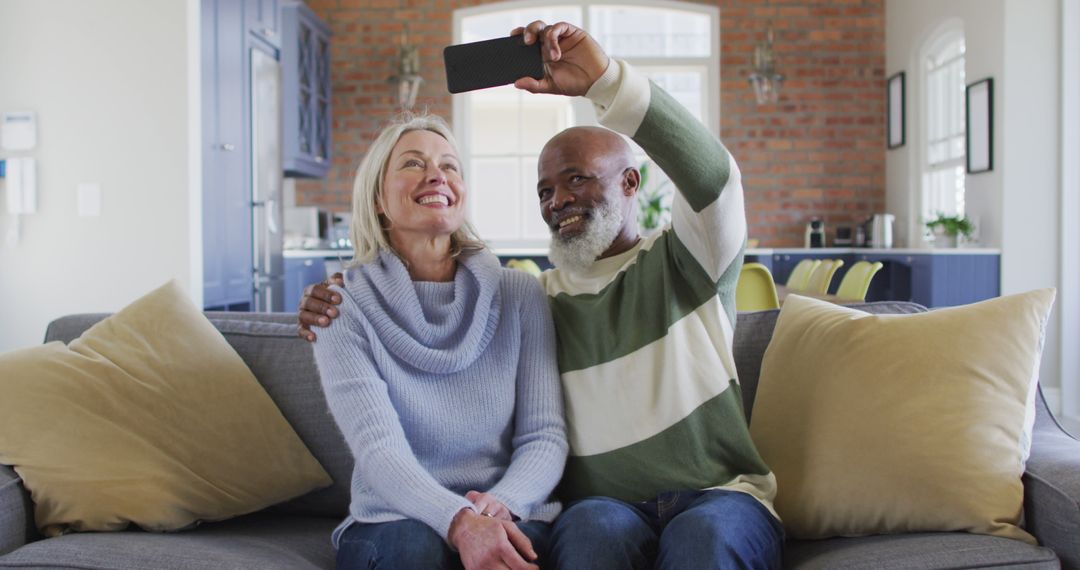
x,y
412,544
687,529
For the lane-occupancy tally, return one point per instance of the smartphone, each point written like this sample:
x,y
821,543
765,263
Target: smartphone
x,y
491,63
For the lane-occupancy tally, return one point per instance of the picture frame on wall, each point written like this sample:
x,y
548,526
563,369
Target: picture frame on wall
x,y
979,102
895,94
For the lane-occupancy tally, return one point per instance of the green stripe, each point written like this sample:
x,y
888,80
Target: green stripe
x,y
684,149
709,447
634,309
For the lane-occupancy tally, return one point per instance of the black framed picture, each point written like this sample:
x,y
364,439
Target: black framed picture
x,y
980,126
894,88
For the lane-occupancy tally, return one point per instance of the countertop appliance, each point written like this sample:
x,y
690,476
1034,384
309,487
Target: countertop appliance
x,y
881,231
815,233
843,236
267,221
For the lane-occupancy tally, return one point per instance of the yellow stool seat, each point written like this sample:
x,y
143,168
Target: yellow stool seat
x,y
856,281
822,276
799,276
755,290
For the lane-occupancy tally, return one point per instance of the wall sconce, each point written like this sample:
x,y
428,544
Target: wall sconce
x,y
408,78
765,80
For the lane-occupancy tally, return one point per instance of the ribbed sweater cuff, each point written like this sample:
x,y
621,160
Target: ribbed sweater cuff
x,y
621,97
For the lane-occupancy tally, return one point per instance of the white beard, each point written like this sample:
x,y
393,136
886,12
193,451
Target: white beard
x,y
577,253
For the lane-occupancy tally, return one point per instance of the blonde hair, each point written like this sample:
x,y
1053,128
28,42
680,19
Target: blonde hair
x,y
368,234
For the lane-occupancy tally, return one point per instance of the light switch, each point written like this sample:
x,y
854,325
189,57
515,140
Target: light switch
x,y
89,198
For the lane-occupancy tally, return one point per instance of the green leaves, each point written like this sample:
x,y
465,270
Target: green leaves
x,y
652,203
951,225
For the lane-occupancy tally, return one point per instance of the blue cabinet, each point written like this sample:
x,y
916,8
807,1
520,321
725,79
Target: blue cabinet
x,y
226,202
934,280
305,60
299,273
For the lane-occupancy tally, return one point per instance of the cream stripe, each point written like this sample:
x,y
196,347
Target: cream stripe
x,y
598,276
714,235
612,405
631,102
760,487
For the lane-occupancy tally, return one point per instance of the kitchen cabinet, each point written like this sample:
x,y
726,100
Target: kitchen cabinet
x,y
226,202
299,273
933,278
263,19
305,58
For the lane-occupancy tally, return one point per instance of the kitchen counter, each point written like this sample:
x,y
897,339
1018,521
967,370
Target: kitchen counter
x,y
824,251
330,253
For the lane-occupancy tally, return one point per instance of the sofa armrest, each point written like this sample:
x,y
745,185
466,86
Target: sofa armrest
x,y
16,512
1052,488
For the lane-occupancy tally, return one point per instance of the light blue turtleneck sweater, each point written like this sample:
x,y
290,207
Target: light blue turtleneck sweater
x,y
442,388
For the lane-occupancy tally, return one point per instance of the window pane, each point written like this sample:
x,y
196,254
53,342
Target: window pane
x,y
944,177
542,117
533,224
495,127
495,198
499,24
626,31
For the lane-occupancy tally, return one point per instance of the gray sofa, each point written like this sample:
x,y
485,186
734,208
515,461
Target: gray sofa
x,y
296,535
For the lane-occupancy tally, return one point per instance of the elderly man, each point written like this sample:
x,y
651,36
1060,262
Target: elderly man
x,y
662,470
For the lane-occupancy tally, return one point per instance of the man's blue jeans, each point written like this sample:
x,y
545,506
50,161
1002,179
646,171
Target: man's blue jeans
x,y
687,529
413,544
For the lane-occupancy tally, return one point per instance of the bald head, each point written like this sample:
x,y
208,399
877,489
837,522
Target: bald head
x,y
590,143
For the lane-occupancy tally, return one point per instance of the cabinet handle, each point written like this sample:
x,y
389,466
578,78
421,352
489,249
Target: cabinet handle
x,y
228,147
268,32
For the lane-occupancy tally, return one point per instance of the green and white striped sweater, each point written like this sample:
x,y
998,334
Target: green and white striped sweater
x,y
644,337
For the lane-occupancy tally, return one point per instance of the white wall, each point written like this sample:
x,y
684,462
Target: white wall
x,y
110,82
1070,213
1018,44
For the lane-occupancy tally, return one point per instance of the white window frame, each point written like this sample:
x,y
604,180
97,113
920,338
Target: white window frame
x,y
947,34
711,97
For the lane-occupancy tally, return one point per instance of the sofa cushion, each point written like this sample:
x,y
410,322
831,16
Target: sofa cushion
x,y
149,417
754,330
927,551
261,541
900,423
285,366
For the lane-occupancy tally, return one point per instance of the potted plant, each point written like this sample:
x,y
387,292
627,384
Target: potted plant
x,y
947,228
654,204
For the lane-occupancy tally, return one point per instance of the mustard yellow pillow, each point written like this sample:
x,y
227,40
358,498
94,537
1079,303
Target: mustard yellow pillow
x,y
149,417
879,424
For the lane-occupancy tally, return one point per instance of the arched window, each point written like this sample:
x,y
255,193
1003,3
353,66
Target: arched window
x,y
944,124
502,130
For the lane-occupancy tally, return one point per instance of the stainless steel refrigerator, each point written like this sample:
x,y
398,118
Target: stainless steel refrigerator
x,y
267,221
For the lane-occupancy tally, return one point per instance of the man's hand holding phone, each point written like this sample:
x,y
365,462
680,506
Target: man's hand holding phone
x,y
559,59
573,60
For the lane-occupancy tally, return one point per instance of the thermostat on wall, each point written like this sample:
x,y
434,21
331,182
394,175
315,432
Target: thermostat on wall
x,y
18,131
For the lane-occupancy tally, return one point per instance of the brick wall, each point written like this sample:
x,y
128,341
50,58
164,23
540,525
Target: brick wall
x,y
819,152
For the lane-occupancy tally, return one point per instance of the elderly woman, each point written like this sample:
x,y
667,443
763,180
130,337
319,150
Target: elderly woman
x,y
441,374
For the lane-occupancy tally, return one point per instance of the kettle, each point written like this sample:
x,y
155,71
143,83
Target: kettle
x,y
881,230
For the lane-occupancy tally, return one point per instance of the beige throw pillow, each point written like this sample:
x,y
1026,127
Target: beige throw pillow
x,y
149,417
901,423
